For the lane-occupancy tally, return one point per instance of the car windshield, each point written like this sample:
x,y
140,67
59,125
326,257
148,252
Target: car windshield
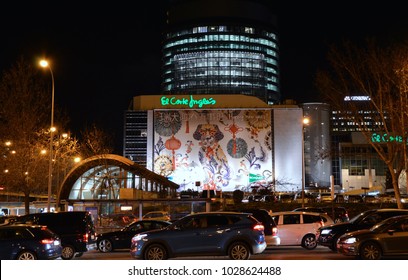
x,y
358,218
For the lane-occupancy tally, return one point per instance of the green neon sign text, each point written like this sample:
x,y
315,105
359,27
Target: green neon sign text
x,y
385,138
190,102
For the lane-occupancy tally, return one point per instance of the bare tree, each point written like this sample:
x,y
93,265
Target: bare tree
x,y
24,111
25,106
95,141
366,86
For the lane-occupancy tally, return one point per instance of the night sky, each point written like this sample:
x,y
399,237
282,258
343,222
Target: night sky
x,y
105,54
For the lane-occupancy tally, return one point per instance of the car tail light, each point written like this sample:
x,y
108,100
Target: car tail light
x,y
85,238
259,227
47,241
321,223
274,231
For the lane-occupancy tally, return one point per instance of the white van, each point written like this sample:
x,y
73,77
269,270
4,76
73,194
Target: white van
x,y
299,228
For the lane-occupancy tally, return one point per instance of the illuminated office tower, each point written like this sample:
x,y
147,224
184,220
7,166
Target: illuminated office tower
x,y
221,47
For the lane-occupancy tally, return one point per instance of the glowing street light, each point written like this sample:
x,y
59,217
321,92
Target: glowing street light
x,y
45,64
306,122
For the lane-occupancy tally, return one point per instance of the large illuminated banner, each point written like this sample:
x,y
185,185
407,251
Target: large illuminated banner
x,y
222,149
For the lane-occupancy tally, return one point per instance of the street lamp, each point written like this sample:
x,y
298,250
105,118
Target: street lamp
x,y
45,64
306,122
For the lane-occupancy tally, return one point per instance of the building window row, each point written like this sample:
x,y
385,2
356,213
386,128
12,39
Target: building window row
x,y
220,38
221,28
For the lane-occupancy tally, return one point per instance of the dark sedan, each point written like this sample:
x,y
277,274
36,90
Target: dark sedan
x,y
328,235
387,238
121,239
25,242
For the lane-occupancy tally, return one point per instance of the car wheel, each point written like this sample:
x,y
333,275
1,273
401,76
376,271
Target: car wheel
x,y
370,251
68,252
26,255
239,251
309,242
105,245
155,252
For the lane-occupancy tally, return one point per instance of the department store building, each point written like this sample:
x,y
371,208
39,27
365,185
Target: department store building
x,y
216,142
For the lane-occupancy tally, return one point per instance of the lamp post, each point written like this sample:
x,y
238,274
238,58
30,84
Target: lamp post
x,y
45,64
306,121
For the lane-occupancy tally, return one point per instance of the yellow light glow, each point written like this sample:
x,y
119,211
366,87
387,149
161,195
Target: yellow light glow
x,y
43,63
306,120
53,129
8,143
77,159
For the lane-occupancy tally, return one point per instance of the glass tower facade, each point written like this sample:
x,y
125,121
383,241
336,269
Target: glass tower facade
x,y
135,136
215,49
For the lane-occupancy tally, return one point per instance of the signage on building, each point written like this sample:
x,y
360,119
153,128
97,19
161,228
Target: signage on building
x,y
385,138
255,177
188,102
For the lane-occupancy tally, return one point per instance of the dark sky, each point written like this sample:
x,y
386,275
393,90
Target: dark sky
x,y
104,54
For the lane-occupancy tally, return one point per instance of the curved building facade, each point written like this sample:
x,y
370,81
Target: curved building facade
x,y
111,180
221,47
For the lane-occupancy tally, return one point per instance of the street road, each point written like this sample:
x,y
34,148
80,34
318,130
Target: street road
x,y
275,253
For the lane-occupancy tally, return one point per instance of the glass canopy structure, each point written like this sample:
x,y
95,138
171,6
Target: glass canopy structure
x,y
112,177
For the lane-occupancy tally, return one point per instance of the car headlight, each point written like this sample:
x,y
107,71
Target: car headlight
x,y
325,231
138,237
350,240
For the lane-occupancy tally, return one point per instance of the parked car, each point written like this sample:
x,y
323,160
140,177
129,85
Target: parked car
x,y
371,198
234,234
307,197
325,197
157,215
285,197
269,198
75,228
271,229
252,198
121,239
328,235
354,199
387,238
299,228
117,220
25,242
387,198
337,213
7,219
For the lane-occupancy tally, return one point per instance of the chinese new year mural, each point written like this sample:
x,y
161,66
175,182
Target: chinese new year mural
x,y
222,149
